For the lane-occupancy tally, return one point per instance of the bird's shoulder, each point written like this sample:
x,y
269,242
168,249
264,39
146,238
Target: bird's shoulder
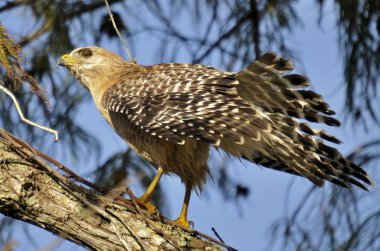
x,y
184,72
171,77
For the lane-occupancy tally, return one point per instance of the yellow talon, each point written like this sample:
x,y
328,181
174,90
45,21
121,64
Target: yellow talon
x,y
182,221
144,202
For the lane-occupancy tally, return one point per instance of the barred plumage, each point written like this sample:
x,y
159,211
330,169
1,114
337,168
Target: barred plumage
x,y
171,114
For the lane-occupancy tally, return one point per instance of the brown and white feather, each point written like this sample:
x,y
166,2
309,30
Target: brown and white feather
x,y
172,113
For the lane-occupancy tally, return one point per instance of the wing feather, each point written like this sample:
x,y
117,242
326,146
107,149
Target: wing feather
x,y
264,85
208,110
250,114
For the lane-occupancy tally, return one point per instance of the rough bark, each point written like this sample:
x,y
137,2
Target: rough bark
x,y
31,191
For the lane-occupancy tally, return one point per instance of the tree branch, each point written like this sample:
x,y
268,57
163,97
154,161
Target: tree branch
x,y
21,115
220,39
31,191
118,32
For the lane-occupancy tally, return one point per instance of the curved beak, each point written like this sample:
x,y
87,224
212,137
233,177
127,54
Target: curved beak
x,y
66,61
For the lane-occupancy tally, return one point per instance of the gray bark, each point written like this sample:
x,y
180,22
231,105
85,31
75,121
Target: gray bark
x,y
31,191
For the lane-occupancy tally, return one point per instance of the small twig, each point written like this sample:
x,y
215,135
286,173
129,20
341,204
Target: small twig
x,y
217,235
209,238
56,163
10,94
69,172
118,32
39,32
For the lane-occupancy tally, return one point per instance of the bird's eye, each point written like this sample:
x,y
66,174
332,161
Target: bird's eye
x,y
85,53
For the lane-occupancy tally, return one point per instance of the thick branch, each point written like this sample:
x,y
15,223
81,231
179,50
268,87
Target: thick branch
x,y
31,191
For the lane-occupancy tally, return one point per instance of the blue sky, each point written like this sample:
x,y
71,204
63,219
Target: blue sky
x,y
248,228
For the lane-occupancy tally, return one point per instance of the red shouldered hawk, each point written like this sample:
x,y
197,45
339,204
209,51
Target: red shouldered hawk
x,y
172,113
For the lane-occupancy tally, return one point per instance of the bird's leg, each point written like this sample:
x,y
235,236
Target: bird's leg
x,y
144,200
182,219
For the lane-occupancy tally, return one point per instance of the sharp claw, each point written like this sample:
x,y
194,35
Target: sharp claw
x,y
184,222
147,205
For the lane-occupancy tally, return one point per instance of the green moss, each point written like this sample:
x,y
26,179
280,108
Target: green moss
x,y
10,56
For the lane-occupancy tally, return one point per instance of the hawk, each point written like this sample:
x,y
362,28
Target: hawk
x,y
172,113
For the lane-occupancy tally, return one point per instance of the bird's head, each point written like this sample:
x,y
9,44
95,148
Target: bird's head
x,y
91,64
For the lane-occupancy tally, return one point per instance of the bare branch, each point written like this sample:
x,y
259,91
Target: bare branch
x,y
31,191
35,34
22,117
118,32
